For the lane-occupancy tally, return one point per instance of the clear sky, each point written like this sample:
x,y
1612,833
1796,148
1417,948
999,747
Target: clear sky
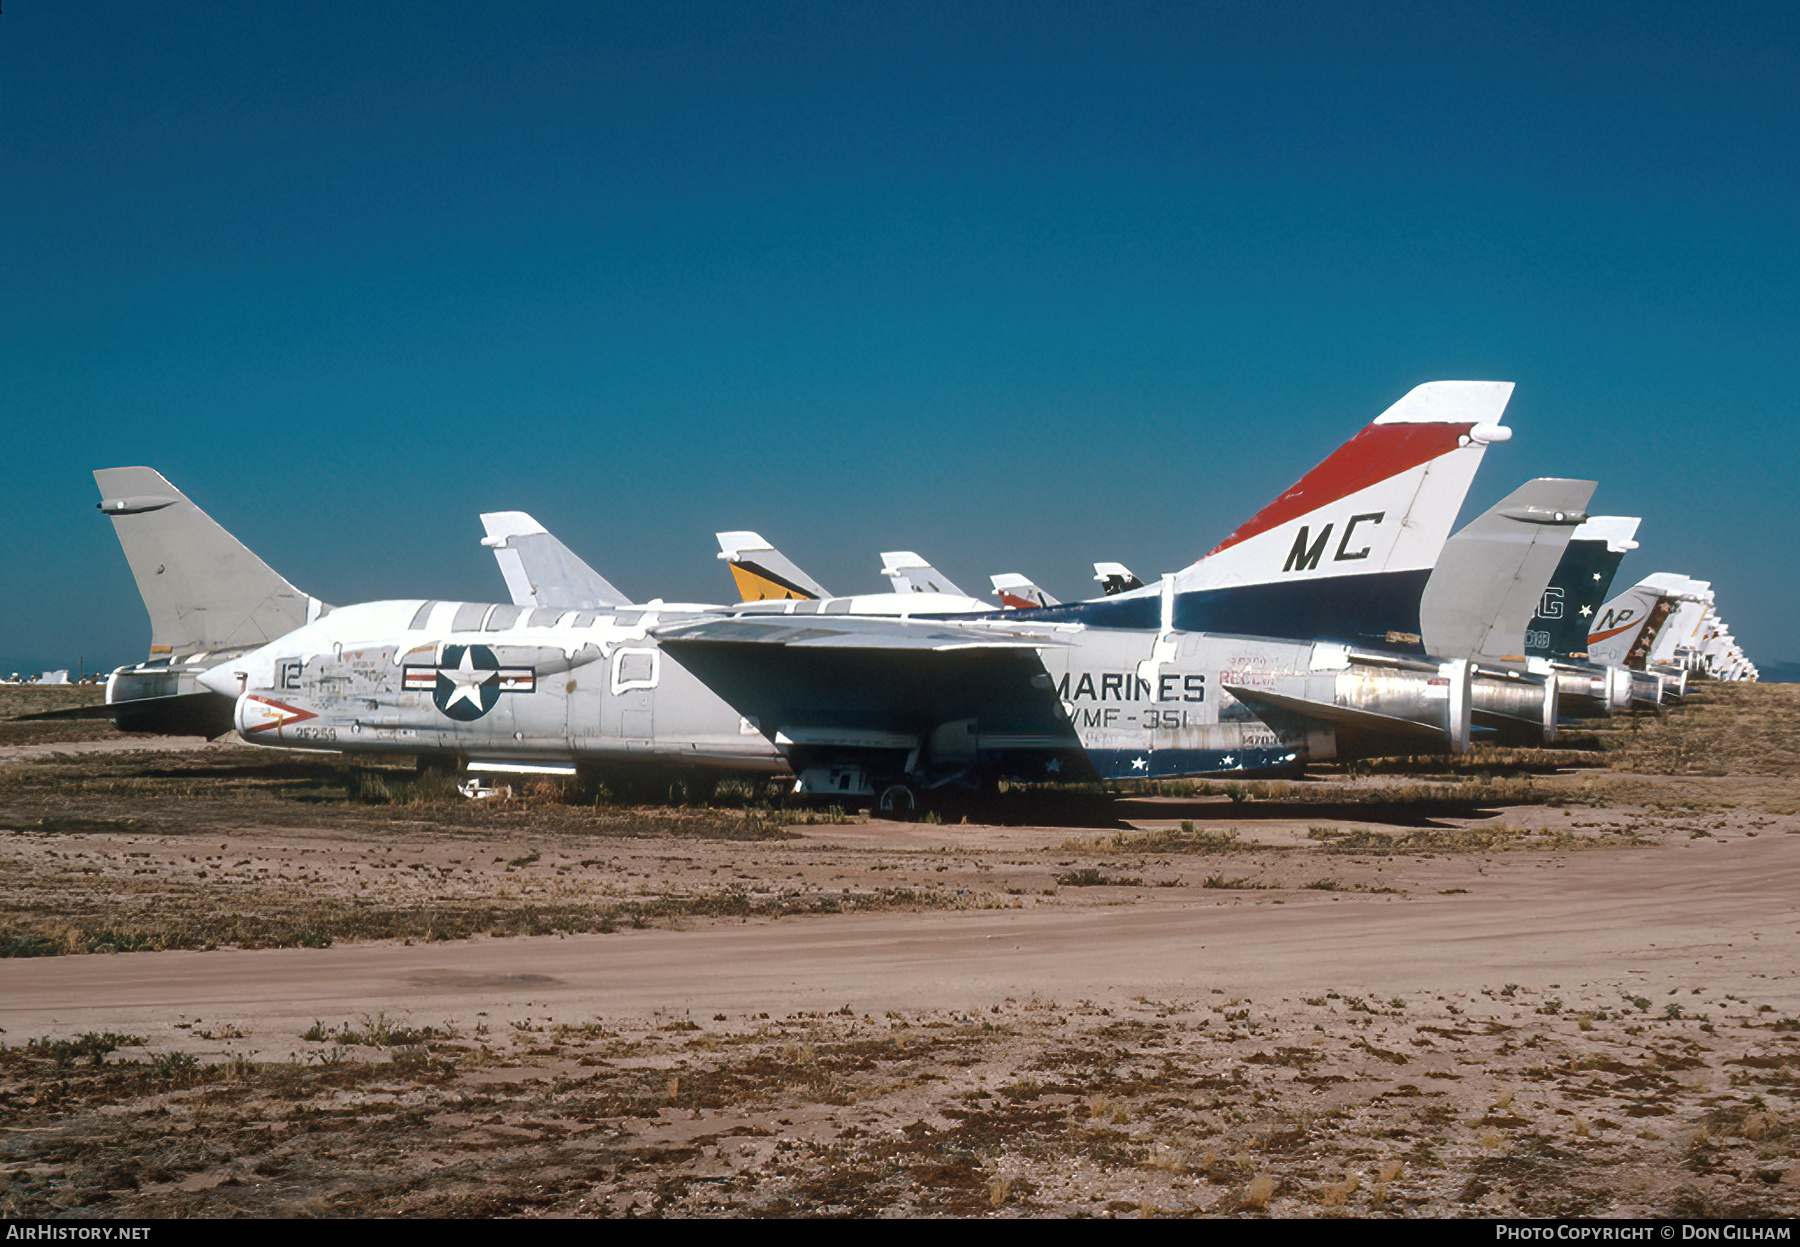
x,y
1018,286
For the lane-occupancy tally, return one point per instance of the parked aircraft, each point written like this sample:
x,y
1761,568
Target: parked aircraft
x,y
1039,692
894,709
909,573
1559,629
764,575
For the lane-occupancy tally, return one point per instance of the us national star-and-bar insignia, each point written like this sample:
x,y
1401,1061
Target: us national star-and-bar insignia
x,y
467,680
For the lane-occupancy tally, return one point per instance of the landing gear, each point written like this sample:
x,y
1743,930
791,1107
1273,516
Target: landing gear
x,y
898,802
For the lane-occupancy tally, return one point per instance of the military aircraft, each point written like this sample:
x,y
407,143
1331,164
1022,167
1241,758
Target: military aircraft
x,y
1627,629
901,706
896,709
764,574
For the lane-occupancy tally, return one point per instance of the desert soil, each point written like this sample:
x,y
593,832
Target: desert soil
x,y
1545,989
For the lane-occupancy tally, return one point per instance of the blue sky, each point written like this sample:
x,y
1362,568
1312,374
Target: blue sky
x,y
1019,286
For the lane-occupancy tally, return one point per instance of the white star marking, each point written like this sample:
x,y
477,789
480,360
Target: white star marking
x,y
468,681
1586,611
1228,760
1054,765
1139,764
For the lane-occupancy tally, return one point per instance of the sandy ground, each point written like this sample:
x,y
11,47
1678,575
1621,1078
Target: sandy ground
x,y
1584,1003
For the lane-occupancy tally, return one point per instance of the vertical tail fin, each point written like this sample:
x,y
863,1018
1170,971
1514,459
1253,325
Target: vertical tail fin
x,y
1388,496
1627,626
540,570
1577,591
1680,632
203,589
1017,592
909,573
1116,578
1345,553
762,572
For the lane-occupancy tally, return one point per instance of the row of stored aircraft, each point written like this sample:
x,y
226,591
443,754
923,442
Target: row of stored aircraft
x,y
1342,620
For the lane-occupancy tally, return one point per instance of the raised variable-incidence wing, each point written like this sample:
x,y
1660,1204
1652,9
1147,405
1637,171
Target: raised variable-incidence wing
x,y
870,707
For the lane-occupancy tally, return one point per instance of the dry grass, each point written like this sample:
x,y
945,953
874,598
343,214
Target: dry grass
x,y
1719,729
1022,1108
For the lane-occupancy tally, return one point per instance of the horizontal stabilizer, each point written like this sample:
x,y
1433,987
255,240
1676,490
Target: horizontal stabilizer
x,y
180,714
1360,721
99,710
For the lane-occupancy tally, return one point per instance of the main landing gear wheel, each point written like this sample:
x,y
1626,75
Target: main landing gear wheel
x,y
898,802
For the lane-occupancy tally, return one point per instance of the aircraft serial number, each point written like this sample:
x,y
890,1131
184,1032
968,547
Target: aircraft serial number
x,y
315,733
1113,716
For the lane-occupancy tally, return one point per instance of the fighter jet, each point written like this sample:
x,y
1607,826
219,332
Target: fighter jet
x,y
764,574
1559,629
894,710
901,706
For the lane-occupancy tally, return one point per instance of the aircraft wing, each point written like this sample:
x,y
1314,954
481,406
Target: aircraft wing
x,y
850,632
799,678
